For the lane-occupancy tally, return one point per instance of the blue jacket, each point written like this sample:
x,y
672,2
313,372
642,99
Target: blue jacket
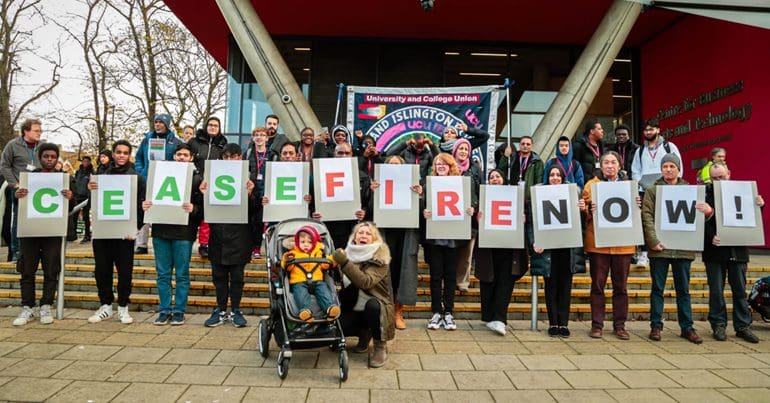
x,y
142,159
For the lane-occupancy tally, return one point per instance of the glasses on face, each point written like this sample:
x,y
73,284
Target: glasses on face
x,y
344,153
441,164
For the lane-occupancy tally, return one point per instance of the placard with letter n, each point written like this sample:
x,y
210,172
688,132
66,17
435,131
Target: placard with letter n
x,y
678,224
44,211
395,204
501,221
739,219
618,219
556,216
448,198
113,203
168,187
226,200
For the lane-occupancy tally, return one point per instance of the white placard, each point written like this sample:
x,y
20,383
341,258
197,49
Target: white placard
x,y
554,208
156,149
44,199
114,198
678,211
169,183
447,199
616,198
395,187
226,179
286,183
501,207
335,176
738,204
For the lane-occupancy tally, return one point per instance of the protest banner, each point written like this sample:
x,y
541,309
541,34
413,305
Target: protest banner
x,y
43,212
395,204
618,218
337,188
114,205
168,187
678,224
286,184
556,216
226,200
739,219
448,198
502,221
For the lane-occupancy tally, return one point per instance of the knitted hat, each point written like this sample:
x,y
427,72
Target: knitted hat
x,y
310,230
671,157
165,118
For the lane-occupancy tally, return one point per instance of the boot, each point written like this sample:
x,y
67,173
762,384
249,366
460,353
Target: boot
x,y
363,342
379,355
400,322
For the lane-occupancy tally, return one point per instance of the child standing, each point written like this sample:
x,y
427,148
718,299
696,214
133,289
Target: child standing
x,y
306,279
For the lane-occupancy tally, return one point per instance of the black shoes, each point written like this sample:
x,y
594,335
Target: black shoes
x,y
748,335
203,251
140,250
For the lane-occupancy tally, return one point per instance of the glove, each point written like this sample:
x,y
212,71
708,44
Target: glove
x,y
340,257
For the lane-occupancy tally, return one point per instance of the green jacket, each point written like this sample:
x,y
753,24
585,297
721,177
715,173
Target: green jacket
x,y
648,223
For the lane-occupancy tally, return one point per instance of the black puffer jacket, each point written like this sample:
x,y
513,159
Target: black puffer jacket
x,y
582,152
82,176
230,244
206,148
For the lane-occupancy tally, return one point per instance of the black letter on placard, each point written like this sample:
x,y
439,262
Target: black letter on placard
x,y
607,209
561,214
681,208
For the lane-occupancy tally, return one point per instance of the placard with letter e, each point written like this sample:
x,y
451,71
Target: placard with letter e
x,y
678,224
286,184
168,187
44,211
395,204
448,198
556,216
337,189
618,219
739,219
226,200
502,220
114,205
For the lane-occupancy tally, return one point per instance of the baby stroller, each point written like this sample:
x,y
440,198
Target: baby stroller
x,y
290,332
759,298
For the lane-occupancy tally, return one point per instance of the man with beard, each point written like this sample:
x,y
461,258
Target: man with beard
x,y
625,147
588,148
275,140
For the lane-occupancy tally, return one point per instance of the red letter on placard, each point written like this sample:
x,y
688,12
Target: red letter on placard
x,y
448,200
500,209
333,182
389,191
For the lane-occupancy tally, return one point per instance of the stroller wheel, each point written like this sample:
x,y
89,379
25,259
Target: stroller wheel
x,y
343,365
283,366
264,338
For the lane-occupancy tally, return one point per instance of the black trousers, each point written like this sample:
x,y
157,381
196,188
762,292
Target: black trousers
x,y
354,323
109,253
394,237
34,251
443,267
496,295
228,283
558,288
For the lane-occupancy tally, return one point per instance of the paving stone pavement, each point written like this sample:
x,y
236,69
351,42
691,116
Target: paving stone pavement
x,y
72,360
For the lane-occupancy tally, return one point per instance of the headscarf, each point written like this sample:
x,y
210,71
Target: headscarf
x,y
463,165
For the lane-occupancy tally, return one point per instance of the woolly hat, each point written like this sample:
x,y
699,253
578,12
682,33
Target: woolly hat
x,y
308,229
165,118
671,157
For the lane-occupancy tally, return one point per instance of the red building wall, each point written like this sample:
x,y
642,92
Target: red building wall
x,y
708,81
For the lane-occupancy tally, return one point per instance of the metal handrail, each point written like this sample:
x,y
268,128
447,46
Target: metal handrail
x,y
60,292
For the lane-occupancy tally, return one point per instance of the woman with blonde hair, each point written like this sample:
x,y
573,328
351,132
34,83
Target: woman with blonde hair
x,y
365,263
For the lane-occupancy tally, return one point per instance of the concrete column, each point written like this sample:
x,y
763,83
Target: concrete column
x,y
569,108
273,75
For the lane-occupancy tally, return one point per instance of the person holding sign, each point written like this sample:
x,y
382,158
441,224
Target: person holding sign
x,y
258,156
607,261
45,250
726,262
462,153
560,265
173,247
207,144
661,257
443,258
117,253
497,269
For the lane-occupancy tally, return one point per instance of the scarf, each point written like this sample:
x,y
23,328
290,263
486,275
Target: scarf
x,y
463,165
446,146
361,253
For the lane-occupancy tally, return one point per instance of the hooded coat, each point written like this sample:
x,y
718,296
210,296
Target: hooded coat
x,y
205,147
572,168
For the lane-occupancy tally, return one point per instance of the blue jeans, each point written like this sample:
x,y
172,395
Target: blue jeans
x,y
302,295
172,254
736,274
681,272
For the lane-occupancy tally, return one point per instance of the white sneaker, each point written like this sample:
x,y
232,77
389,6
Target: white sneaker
x,y
642,260
449,322
46,317
124,316
497,327
24,317
103,313
435,322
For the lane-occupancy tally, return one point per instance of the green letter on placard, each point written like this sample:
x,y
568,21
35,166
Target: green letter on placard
x,y
285,190
110,200
225,185
169,188
37,200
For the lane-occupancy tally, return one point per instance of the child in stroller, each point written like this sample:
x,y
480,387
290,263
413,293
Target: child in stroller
x,y
759,298
306,279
